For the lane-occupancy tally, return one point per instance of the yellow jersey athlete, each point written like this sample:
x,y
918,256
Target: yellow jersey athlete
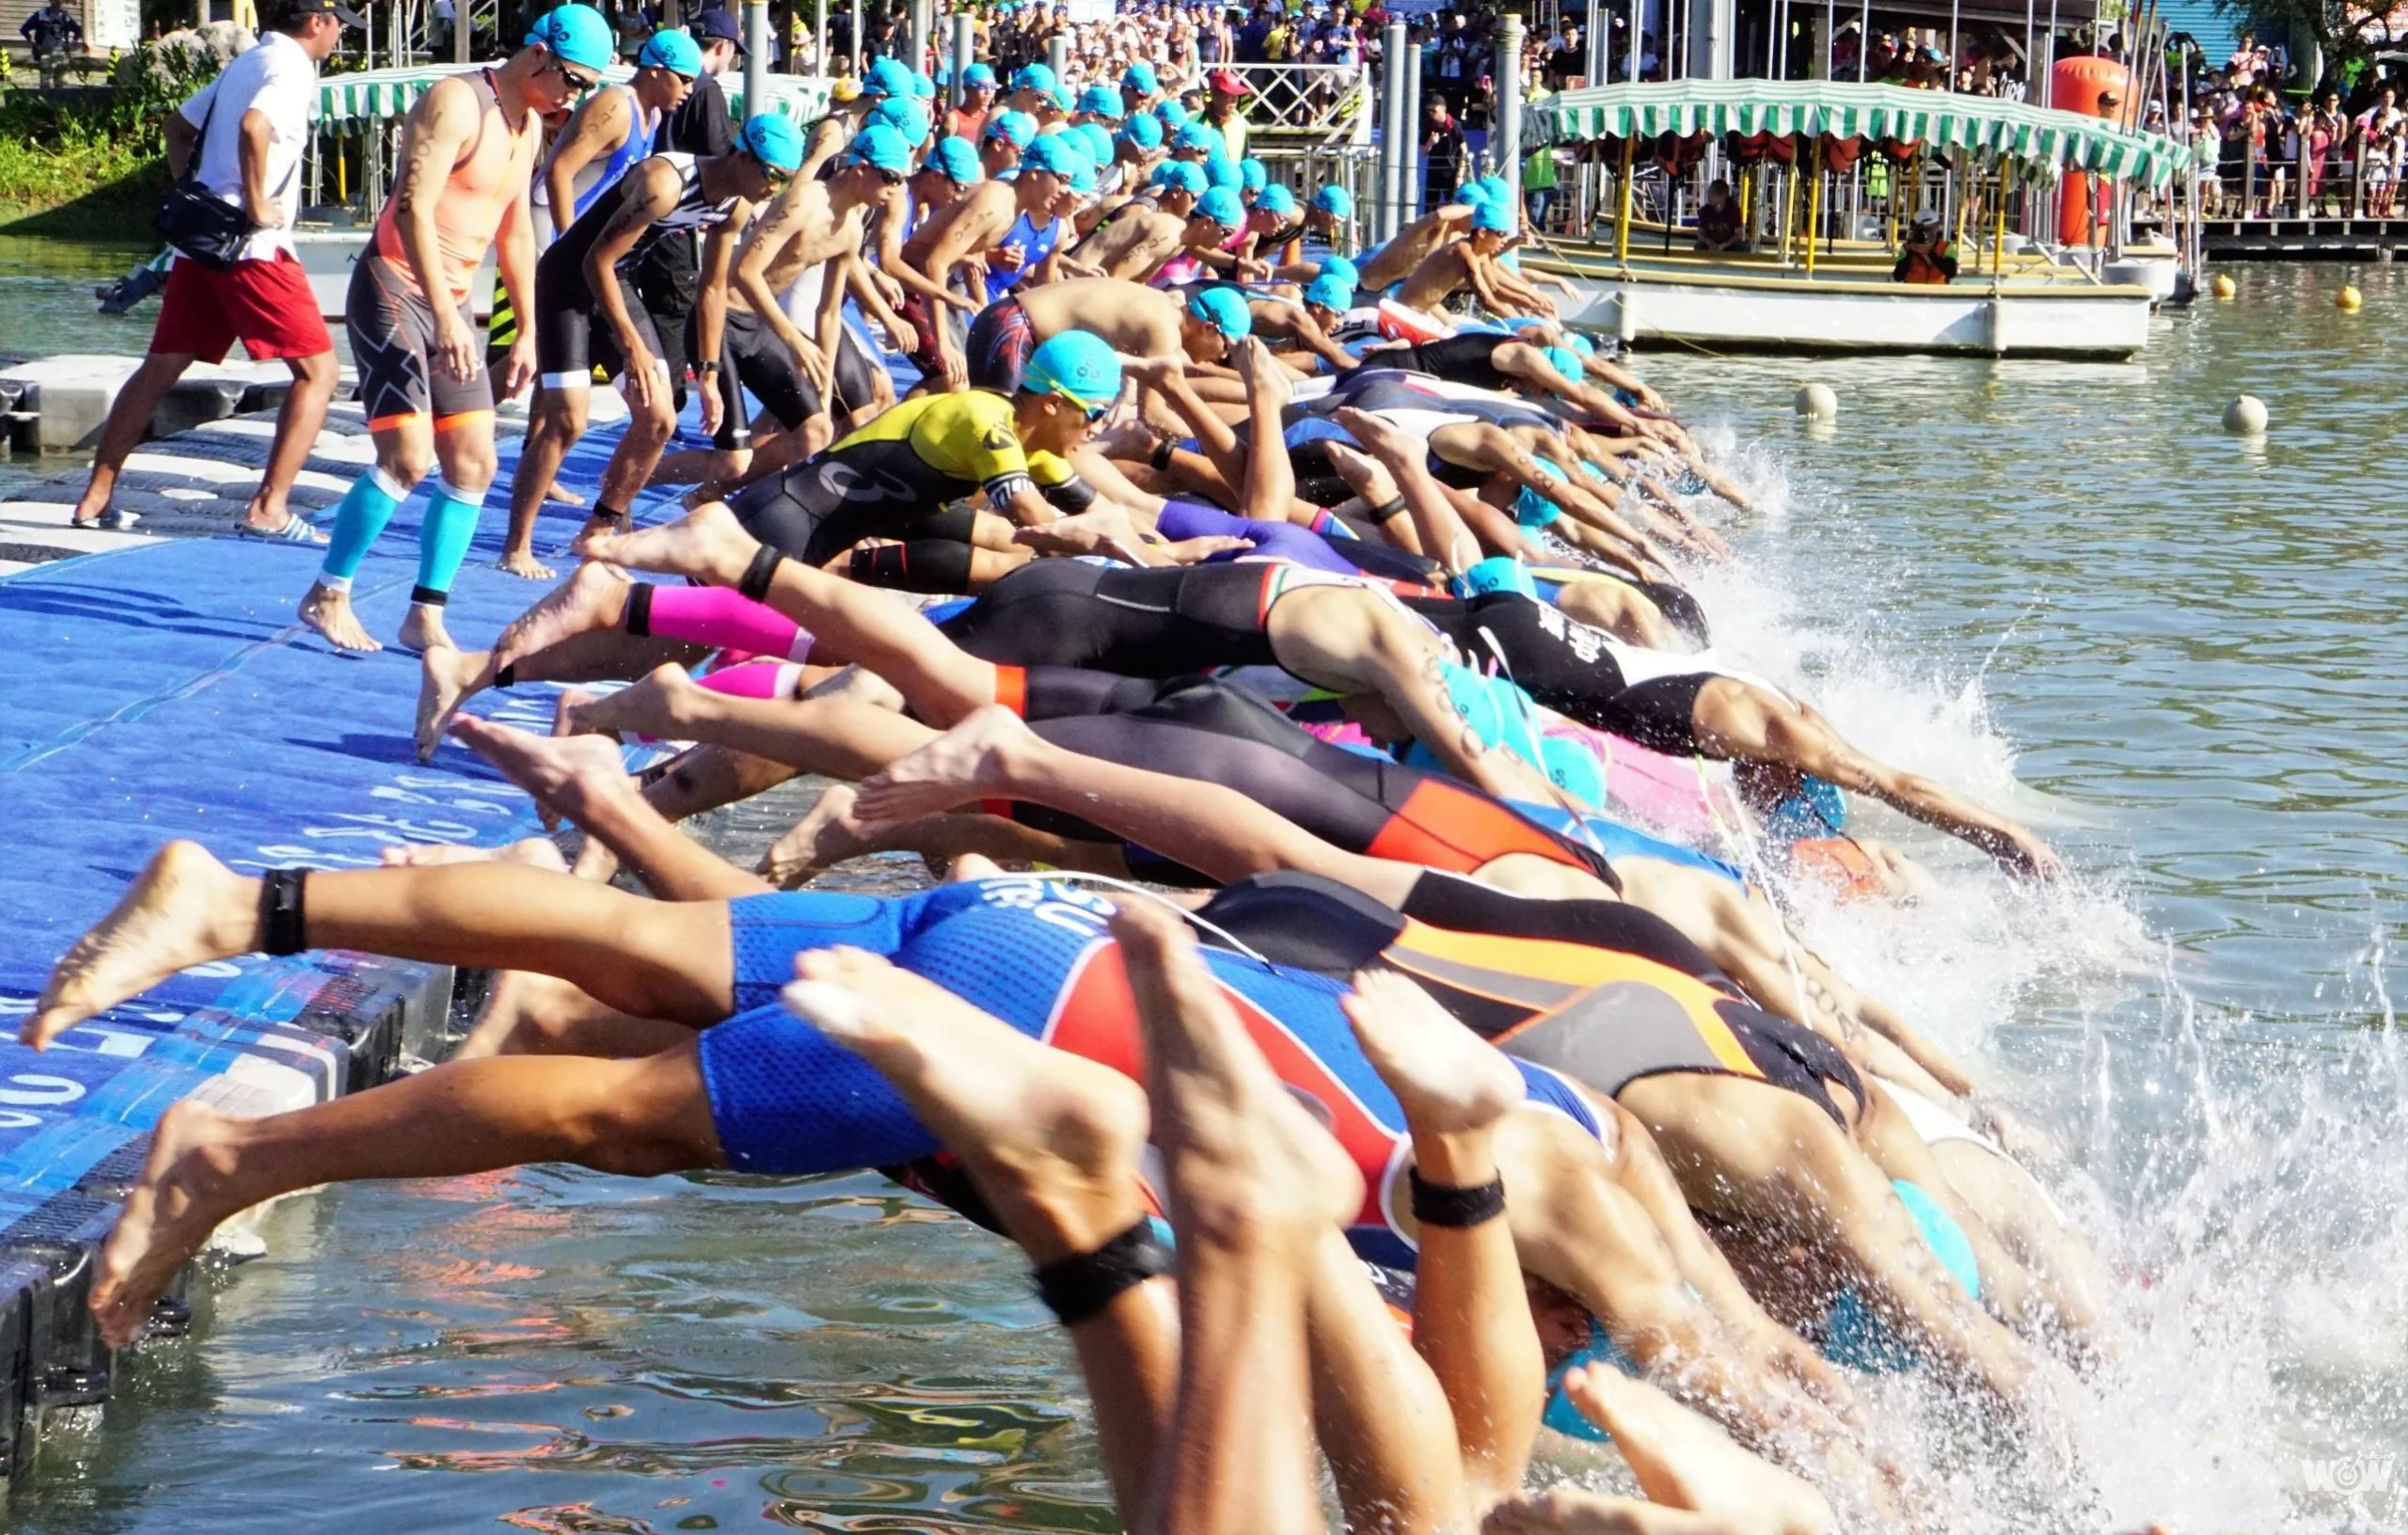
x,y
904,476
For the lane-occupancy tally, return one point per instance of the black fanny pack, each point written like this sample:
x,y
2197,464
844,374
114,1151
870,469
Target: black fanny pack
x,y
200,224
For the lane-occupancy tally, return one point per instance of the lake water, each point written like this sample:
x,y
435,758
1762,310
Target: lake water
x,y
2062,588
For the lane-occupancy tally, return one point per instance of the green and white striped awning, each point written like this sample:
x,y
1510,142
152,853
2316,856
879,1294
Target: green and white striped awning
x,y
345,100
2039,135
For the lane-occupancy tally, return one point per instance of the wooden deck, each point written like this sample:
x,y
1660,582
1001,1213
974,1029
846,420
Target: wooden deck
x,y
2303,239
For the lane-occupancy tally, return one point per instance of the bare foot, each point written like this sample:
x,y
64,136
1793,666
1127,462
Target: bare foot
x,y
825,837
447,678
519,1002
423,628
1261,373
1449,1080
329,613
969,762
1247,1163
1684,1462
654,707
185,909
594,598
523,563
1362,474
182,1198
1052,1139
598,526
536,852
707,544
568,776
559,497
1385,440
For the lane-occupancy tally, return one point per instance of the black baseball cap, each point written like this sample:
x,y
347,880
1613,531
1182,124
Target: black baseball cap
x,y
718,26
297,8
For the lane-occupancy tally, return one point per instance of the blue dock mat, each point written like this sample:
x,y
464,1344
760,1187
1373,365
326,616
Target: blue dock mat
x,y
164,691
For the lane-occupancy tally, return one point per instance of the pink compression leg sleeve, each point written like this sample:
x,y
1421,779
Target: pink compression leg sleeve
x,y
754,679
714,616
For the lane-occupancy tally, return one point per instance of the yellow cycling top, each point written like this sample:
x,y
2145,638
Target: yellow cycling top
x,y
958,443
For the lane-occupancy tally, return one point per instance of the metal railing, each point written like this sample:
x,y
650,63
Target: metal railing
x,y
1328,105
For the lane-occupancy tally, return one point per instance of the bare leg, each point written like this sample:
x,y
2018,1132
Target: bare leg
x,y
1255,1186
707,777
584,779
830,834
1468,1318
527,1014
1051,1140
638,1118
1214,831
653,959
297,422
129,418
554,425
817,735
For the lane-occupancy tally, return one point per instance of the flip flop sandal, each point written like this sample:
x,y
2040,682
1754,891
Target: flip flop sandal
x,y
297,530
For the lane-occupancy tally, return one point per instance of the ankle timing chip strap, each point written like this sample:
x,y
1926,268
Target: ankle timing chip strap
x,y
280,911
1082,1286
759,575
1443,1205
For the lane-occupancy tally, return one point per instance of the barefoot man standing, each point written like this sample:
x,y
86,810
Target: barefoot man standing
x,y
467,161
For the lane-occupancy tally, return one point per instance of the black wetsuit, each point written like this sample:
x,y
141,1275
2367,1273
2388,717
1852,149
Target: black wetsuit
x,y
1168,623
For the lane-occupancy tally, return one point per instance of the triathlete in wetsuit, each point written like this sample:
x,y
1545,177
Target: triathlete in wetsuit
x,y
900,476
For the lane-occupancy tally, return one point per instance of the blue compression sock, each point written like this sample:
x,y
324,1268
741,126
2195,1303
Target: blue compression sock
x,y
359,520
443,540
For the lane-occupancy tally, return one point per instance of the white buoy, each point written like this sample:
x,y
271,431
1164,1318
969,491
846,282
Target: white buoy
x,y
2245,416
1816,403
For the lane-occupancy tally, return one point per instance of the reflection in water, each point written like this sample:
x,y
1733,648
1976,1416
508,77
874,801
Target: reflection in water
x,y
2063,589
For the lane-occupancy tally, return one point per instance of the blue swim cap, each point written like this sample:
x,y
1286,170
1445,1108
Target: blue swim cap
x,y
1201,135
1331,292
1580,343
1144,129
1060,153
575,34
1532,510
905,115
1140,78
1334,200
1498,714
978,77
1098,140
672,49
1075,364
1181,176
1220,170
1814,809
887,77
922,86
1488,215
777,144
1567,362
1083,180
1599,1353
1226,310
1497,572
1495,188
1340,266
1253,175
1173,115
1037,77
1277,201
882,146
1103,101
1854,1335
1221,205
956,160
1018,127
1571,765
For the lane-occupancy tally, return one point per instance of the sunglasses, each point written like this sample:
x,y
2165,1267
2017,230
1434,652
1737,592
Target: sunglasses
x,y
579,84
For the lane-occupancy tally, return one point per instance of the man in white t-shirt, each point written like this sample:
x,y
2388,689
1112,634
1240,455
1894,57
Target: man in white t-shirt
x,y
247,127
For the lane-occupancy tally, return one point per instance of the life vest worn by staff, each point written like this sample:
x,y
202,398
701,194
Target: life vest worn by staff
x,y
1930,255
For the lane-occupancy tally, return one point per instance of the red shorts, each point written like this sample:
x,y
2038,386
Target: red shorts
x,y
268,305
